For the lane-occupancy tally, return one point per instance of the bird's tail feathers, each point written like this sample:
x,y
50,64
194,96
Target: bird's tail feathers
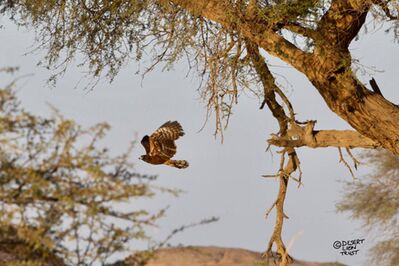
x,y
177,163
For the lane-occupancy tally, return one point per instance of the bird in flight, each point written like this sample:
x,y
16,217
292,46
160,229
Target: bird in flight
x,y
160,147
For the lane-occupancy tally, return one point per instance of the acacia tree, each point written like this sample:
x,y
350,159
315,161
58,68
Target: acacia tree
x,y
224,41
62,194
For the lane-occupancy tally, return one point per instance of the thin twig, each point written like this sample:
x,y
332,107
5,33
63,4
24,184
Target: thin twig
x,y
356,162
270,209
341,159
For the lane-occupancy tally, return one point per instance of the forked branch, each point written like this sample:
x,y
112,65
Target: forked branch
x,y
269,93
284,174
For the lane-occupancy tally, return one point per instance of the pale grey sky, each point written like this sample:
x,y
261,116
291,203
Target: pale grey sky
x,y
223,180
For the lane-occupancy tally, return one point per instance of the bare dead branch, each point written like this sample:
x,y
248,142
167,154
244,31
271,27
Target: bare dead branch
x,y
270,176
356,162
325,138
270,209
290,167
342,160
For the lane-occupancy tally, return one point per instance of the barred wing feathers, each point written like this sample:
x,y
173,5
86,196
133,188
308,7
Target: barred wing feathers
x,y
168,131
163,139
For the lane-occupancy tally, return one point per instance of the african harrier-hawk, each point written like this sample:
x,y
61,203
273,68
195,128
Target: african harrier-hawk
x,y
160,146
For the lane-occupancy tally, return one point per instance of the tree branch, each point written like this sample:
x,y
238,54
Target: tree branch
x,y
298,29
285,173
269,86
342,22
325,138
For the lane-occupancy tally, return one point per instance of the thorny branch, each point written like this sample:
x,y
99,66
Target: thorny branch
x,y
284,174
342,160
270,88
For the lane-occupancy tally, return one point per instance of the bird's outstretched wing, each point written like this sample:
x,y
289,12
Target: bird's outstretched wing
x,y
163,139
171,130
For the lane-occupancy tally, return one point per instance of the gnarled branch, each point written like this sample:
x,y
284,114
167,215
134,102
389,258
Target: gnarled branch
x,y
322,139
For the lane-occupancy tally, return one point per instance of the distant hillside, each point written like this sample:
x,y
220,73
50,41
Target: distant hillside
x,y
15,251
214,256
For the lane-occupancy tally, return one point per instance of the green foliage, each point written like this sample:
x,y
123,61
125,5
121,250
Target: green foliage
x,y
375,201
63,193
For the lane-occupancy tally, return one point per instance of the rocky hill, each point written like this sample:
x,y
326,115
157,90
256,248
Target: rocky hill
x,y
214,256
